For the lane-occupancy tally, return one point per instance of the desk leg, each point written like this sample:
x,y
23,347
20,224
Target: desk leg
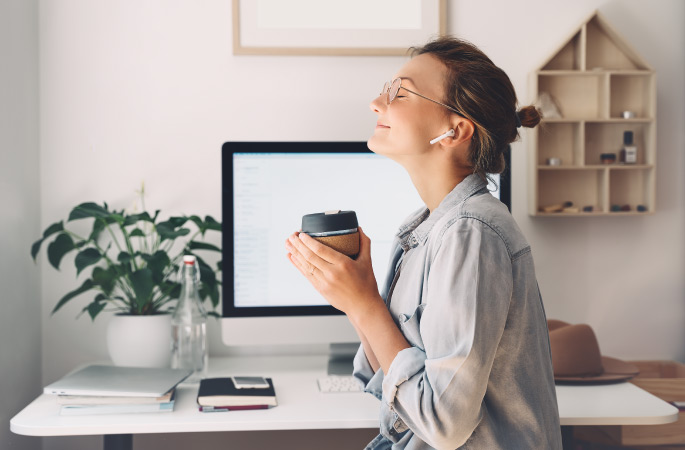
x,y
118,442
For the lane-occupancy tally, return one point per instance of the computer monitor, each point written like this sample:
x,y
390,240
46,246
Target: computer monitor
x,y
267,188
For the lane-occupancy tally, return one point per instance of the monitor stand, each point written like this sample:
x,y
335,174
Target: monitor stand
x,y
341,357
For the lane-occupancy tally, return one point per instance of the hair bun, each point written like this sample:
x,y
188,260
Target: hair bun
x,y
529,116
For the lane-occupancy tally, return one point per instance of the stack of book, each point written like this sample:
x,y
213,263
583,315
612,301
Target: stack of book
x,y
103,389
220,394
78,405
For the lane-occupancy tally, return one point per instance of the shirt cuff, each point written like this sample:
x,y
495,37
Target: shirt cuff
x,y
373,382
407,363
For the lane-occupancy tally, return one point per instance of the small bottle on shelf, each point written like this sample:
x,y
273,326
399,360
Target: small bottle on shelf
x,y
629,151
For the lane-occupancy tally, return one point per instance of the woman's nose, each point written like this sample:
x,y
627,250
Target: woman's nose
x,y
377,104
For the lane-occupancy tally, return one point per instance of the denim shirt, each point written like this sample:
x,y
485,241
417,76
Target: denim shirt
x,y
461,287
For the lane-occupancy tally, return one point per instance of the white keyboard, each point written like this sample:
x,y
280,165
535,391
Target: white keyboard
x,y
337,383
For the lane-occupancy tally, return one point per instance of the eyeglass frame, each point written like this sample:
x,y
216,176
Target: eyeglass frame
x,y
388,85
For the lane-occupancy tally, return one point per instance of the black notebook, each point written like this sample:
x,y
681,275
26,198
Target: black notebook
x,y
220,393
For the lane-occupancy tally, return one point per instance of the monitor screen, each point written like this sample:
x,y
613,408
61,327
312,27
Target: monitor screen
x,y
269,186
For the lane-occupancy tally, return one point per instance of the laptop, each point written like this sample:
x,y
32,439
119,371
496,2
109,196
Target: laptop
x,y
103,380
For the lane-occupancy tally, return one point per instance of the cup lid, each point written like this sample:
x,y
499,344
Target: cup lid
x,y
329,221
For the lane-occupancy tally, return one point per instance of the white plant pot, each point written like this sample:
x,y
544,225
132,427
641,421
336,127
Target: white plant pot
x,y
140,341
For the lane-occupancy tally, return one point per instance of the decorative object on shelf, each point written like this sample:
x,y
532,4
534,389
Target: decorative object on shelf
x,y
363,28
629,151
588,208
559,207
553,161
641,208
615,208
134,258
591,91
548,107
607,158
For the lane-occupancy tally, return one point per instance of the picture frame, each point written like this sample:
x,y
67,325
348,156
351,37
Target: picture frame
x,y
335,27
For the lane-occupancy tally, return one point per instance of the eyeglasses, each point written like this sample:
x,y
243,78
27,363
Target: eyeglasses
x,y
394,86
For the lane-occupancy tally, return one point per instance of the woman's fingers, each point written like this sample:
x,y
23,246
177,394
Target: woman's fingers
x,y
307,256
325,253
304,267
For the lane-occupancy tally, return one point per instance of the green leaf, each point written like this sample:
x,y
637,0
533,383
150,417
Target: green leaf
x,y
62,245
137,232
212,224
98,226
117,217
88,209
49,231
157,263
177,221
220,266
87,285
86,258
196,245
96,306
143,285
124,257
105,278
198,221
167,231
207,275
134,218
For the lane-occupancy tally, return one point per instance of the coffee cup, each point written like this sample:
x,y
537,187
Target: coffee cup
x,y
336,229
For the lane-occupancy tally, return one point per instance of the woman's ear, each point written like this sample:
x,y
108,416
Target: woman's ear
x,y
463,131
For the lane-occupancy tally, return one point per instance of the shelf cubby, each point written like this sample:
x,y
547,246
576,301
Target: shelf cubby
x,y
606,49
608,138
593,78
582,187
629,186
570,57
577,96
632,93
563,140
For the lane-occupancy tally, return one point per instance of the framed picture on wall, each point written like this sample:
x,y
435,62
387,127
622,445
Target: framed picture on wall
x,y
335,27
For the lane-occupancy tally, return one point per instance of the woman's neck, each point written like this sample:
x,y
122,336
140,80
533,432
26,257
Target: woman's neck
x,y
434,179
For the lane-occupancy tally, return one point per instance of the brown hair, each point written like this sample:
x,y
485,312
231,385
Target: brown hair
x,y
482,93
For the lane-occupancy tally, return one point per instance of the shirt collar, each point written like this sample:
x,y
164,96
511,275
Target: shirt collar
x,y
415,229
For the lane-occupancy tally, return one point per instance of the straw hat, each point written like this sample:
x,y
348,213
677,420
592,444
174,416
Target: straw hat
x,y
576,357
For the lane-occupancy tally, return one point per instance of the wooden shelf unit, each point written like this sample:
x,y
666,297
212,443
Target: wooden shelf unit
x,y
593,79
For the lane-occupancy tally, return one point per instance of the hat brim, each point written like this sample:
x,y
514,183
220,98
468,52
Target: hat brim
x,y
615,370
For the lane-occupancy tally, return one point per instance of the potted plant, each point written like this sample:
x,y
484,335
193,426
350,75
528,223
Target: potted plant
x,y
132,259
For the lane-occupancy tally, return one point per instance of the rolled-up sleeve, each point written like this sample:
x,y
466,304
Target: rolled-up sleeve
x,y
372,381
437,386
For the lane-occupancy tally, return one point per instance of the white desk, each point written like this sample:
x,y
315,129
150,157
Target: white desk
x,y
303,407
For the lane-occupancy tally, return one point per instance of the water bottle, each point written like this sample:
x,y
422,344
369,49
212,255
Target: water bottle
x,y
189,324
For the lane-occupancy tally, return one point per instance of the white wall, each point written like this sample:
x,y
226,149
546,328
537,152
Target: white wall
x,y
134,91
20,321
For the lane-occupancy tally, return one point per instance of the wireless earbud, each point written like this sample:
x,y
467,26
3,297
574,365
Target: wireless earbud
x,y
442,136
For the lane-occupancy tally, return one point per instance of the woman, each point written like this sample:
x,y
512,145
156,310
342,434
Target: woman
x,y
456,345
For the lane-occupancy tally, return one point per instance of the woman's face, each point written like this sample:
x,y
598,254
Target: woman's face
x,y
406,126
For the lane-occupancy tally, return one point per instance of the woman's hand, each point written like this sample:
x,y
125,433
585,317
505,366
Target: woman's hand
x,y
347,284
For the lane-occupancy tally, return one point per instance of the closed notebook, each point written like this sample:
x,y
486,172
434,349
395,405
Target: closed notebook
x,y
220,392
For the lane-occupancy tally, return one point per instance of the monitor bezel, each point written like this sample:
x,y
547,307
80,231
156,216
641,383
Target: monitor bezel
x,y
229,310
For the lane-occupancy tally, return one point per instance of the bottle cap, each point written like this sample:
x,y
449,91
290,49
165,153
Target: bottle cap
x,y
189,260
329,221
628,137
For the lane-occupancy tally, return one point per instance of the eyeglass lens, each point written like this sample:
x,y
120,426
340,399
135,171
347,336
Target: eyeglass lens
x,y
392,89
